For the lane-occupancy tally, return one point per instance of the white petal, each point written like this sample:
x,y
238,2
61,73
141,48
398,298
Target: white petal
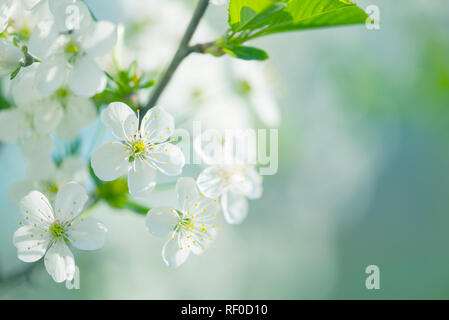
x,y
237,181
261,94
141,179
100,39
45,40
31,243
211,183
172,254
120,119
14,124
161,221
73,169
29,4
209,148
87,234
6,9
70,201
37,146
24,90
82,110
254,189
86,78
59,262
75,282
187,192
41,167
79,113
20,189
167,158
10,57
205,210
36,209
70,15
246,181
235,207
199,207
47,115
157,125
202,240
109,162
50,74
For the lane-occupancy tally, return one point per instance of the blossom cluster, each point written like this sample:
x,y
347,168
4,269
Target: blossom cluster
x,y
62,70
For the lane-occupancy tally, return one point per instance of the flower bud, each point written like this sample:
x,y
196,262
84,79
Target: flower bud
x,y
10,57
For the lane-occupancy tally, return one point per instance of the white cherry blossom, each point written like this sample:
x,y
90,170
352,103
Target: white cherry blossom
x,y
69,46
200,89
32,120
197,86
79,113
48,230
44,176
234,184
231,176
141,152
26,14
191,227
13,124
16,125
155,25
254,82
36,115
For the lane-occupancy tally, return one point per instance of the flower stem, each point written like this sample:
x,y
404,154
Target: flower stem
x,y
183,51
136,207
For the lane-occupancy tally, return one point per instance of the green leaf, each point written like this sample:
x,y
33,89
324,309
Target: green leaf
x,y
16,72
241,11
124,86
308,14
145,84
265,17
247,53
132,70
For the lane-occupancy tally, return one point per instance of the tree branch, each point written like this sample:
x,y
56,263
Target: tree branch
x,y
183,51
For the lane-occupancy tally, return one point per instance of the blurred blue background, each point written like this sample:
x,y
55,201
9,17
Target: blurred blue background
x,y
363,179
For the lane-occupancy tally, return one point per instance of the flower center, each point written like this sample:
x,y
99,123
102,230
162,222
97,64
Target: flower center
x,y
197,95
72,48
53,188
226,175
62,93
50,186
57,230
244,87
184,222
137,149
